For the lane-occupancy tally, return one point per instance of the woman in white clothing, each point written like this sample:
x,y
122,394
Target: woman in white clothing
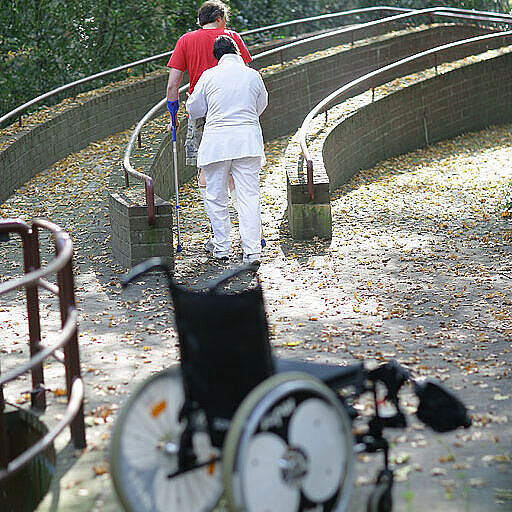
x,y
231,96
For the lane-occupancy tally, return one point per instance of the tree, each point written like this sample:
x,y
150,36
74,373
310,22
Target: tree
x,y
48,43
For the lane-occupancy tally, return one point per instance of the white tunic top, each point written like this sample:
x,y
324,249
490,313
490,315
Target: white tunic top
x,y
231,96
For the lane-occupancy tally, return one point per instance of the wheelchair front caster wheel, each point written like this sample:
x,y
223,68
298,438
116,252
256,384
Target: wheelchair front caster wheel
x,y
381,499
289,448
145,449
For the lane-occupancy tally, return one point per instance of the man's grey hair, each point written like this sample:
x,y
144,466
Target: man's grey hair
x,y
211,10
224,45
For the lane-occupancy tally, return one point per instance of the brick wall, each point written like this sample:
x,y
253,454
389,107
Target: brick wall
x,y
295,90
133,241
465,99
324,42
67,132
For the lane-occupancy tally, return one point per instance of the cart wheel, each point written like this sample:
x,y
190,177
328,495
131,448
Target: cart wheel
x,y
380,499
289,448
144,453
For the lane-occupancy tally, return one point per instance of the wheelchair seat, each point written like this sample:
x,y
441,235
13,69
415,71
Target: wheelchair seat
x,y
224,340
333,376
224,345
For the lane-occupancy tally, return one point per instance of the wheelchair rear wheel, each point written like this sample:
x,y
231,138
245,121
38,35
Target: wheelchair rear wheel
x,y
289,448
144,452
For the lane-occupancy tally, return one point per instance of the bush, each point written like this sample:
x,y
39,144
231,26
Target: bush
x,y
49,43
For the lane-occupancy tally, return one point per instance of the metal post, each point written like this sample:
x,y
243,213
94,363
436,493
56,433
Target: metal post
x,y
311,187
150,200
71,351
139,140
4,445
32,262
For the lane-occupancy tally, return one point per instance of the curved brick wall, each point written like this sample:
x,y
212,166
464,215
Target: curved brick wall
x,y
292,93
294,90
466,99
36,149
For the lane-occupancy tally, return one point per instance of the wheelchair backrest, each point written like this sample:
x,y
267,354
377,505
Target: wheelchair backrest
x,y
225,350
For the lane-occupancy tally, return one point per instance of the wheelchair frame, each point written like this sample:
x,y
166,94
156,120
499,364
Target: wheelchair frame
x,y
281,429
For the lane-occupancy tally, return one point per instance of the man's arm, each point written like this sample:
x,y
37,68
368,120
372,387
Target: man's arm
x,y
173,84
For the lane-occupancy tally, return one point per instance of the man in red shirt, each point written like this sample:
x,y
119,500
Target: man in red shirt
x,y
194,53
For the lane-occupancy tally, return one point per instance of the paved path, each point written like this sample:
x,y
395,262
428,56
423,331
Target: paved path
x,y
419,269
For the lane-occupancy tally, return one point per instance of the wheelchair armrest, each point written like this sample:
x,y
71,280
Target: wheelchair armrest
x,y
214,284
143,268
333,376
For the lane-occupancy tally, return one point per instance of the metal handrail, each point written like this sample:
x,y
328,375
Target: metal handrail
x,y
128,168
64,255
67,339
322,17
435,11
327,100
149,187
405,13
73,408
67,330
147,60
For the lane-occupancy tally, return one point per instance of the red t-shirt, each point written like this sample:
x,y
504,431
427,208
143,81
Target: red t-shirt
x,y
194,52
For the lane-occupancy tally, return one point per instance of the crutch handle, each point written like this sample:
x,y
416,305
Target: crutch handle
x,y
172,107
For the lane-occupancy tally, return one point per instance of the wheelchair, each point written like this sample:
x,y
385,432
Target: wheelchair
x,y
232,424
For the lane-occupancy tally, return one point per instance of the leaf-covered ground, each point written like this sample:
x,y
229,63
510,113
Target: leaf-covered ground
x,y
419,270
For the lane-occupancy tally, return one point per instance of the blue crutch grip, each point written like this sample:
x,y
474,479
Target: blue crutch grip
x,y
172,107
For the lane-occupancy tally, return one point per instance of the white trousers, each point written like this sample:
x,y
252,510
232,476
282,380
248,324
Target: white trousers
x,y
246,175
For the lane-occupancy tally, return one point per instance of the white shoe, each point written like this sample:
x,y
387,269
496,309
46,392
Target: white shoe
x,y
209,246
252,259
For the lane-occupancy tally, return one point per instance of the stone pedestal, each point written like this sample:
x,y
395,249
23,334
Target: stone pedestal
x,y
133,239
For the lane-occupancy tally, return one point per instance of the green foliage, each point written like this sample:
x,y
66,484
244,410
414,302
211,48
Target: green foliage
x,y
48,43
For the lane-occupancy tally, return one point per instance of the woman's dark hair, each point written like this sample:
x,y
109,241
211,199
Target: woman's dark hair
x,y
223,45
211,10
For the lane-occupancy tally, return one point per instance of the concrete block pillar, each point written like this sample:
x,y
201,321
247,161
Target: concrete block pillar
x,y
309,218
133,239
